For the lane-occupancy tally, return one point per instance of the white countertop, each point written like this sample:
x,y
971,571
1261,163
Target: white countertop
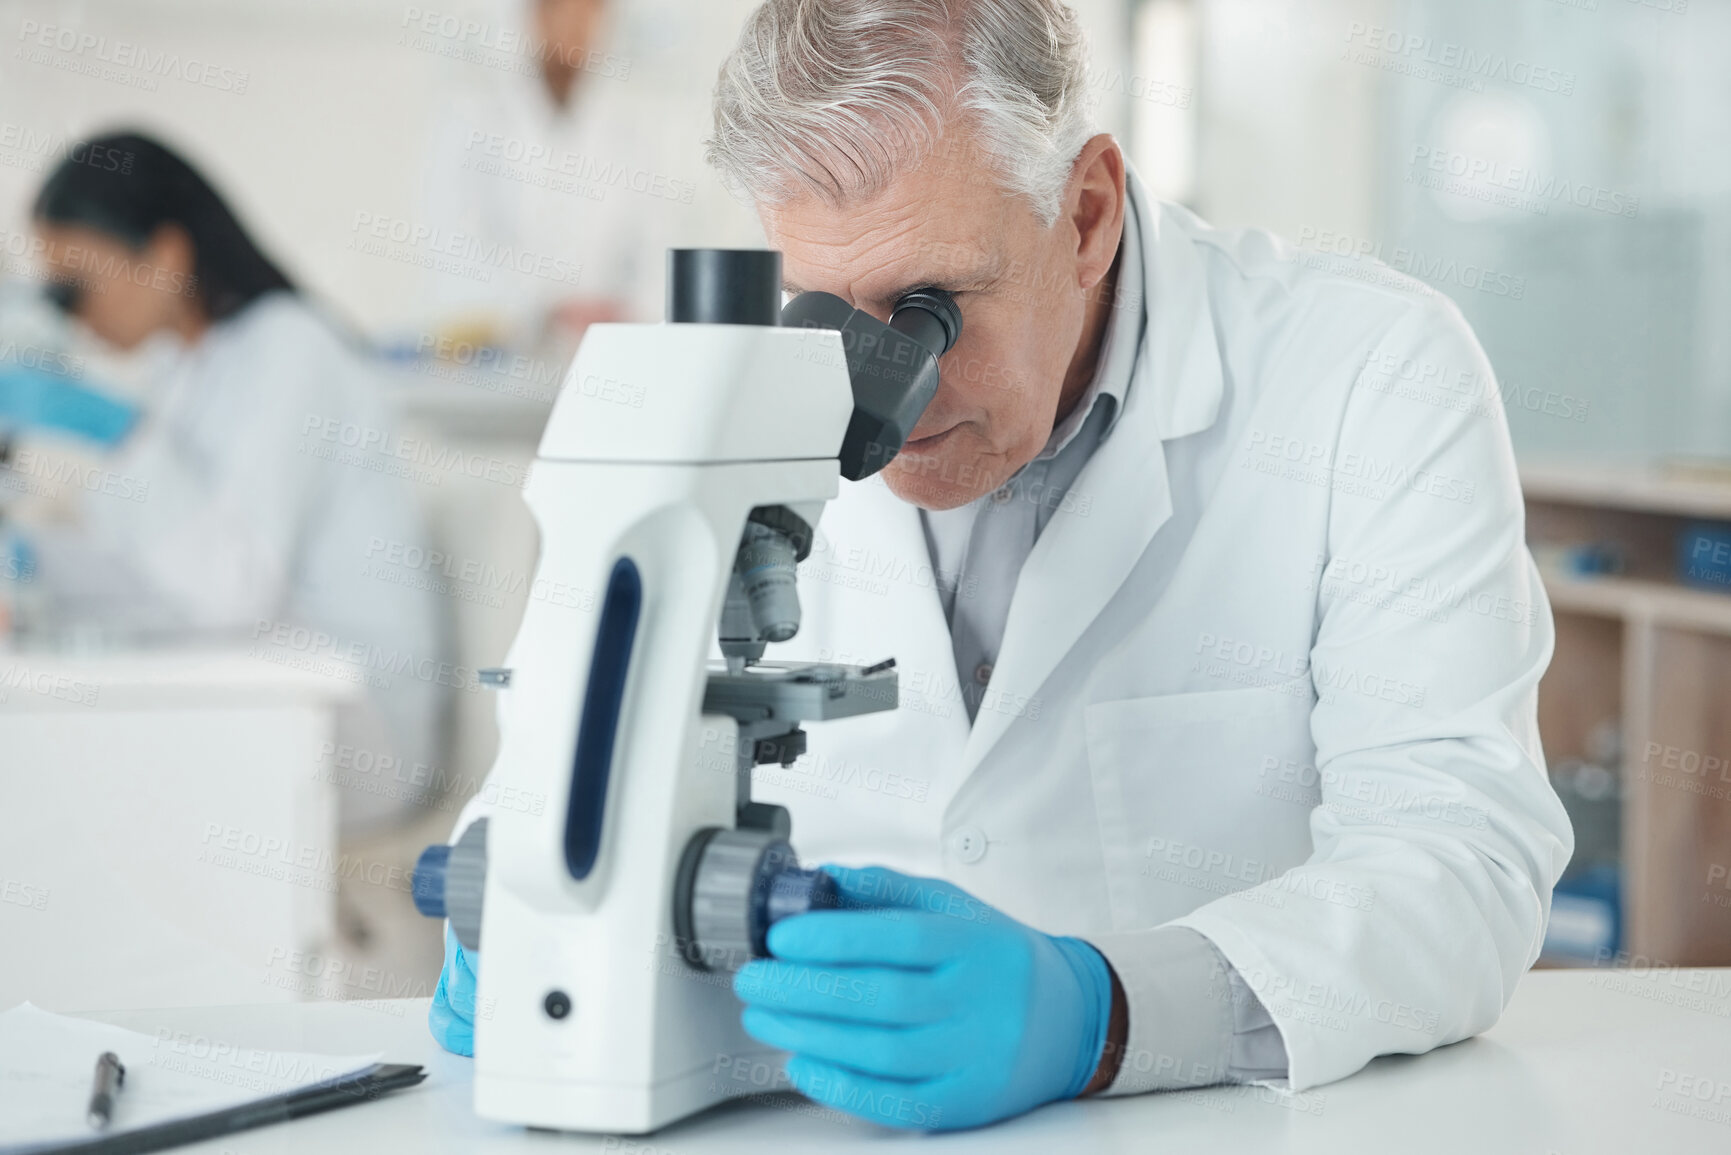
x,y
1583,1061
218,674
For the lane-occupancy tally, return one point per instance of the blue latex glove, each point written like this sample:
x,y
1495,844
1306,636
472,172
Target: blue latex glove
x,y
32,399
919,1006
452,1017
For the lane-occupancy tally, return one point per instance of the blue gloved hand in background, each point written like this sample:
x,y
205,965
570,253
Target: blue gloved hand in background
x,y
34,399
919,1006
452,1017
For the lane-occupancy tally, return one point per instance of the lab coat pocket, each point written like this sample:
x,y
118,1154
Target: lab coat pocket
x,y
1200,795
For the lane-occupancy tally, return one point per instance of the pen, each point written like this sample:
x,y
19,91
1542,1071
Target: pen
x,y
110,1076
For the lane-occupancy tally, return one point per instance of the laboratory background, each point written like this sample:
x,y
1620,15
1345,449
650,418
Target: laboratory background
x,y
238,698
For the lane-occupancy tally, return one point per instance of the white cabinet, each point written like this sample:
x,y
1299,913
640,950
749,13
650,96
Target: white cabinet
x,y
168,829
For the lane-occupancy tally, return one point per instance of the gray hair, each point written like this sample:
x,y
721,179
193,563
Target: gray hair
x,y
836,97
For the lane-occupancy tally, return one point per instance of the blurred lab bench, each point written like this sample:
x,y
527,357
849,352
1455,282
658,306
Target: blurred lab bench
x,y
165,834
1583,1061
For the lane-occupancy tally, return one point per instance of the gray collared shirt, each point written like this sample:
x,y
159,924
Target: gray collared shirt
x,y
978,551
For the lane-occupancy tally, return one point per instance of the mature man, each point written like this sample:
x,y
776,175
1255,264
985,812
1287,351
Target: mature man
x,y
1218,635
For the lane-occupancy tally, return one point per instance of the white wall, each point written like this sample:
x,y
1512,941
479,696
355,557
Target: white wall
x,y
334,116
1288,136
333,119
1308,123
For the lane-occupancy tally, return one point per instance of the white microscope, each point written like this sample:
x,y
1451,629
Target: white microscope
x,y
677,482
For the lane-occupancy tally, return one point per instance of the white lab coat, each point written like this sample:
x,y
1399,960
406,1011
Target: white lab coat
x,y
232,520
581,197
1269,673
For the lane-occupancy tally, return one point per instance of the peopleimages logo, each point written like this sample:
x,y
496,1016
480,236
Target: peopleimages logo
x,y
42,358
368,446
45,475
1464,62
372,230
584,169
1435,269
24,147
1512,186
1356,474
61,687
365,662
499,45
92,270
86,52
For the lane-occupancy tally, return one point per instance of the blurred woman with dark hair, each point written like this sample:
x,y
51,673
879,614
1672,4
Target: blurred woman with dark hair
x,y
261,513
149,210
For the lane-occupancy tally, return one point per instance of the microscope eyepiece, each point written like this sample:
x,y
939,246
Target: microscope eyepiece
x,y
724,286
893,368
929,316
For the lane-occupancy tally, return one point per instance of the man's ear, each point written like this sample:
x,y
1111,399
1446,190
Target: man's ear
x,y
1094,206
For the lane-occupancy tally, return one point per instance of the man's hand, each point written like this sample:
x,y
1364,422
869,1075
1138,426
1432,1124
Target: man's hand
x,y
452,1015
917,1005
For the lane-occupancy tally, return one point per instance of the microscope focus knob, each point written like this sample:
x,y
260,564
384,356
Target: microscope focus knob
x,y
732,886
451,882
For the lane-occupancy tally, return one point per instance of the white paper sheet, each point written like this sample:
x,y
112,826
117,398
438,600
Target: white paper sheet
x,y
47,1062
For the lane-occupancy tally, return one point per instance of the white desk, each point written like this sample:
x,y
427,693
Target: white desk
x,y
166,836
1574,1067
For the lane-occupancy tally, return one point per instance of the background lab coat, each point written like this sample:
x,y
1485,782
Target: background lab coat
x,y
242,524
560,189
1337,779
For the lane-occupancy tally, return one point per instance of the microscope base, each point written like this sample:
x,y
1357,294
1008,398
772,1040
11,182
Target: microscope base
x,y
613,1108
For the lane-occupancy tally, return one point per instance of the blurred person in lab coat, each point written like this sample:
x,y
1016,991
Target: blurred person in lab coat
x,y
545,174
242,518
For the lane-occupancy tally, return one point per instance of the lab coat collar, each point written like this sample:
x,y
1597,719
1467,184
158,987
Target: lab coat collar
x,y
1180,357
1118,348
1122,497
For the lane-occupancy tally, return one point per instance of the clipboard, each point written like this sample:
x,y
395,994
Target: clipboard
x,y
361,1087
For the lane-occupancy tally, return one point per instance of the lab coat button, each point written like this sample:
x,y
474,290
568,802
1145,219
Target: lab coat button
x,y
983,673
968,844
1002,495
